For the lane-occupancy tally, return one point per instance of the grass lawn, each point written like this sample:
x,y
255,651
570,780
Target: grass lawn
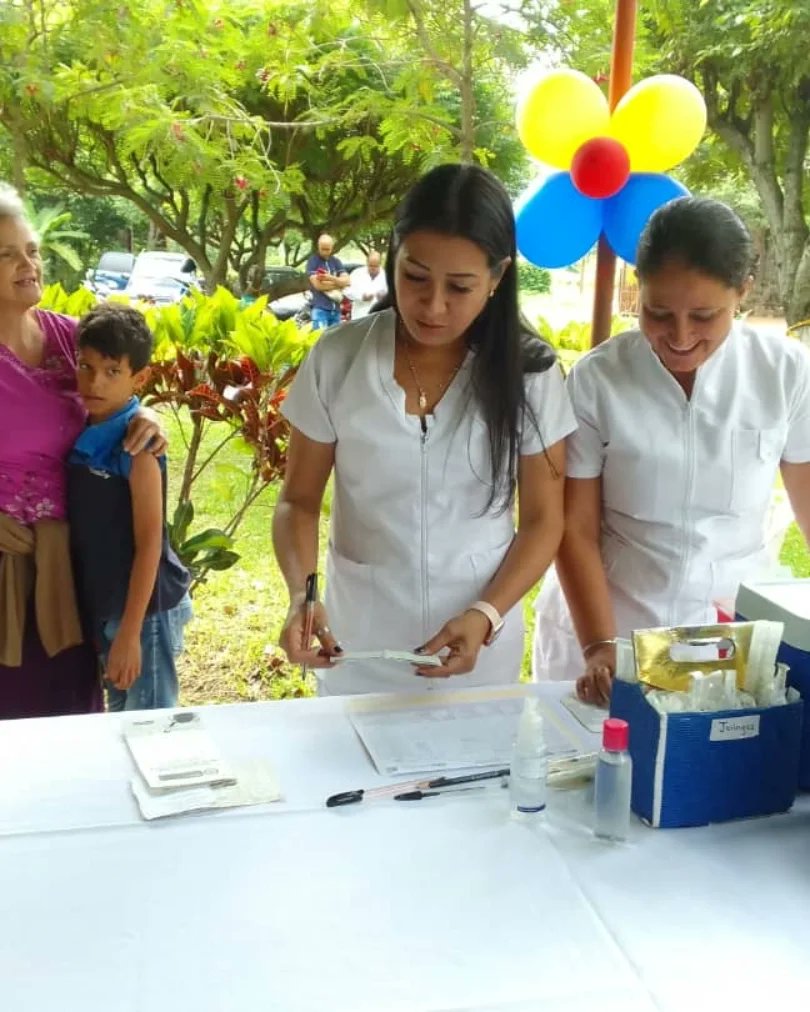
x,y
231,654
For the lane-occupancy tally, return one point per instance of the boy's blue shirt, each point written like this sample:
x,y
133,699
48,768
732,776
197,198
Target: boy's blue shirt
x,y
99,445
101,529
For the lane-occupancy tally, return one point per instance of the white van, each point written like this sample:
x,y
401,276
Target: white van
x,y
161,277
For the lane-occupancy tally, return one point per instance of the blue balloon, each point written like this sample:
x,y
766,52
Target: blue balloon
x,y
626,214
556,224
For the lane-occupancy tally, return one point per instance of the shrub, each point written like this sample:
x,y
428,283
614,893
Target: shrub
x,y
576,334
533,279
216,363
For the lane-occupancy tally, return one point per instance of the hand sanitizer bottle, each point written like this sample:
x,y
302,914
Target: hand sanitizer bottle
x,y
614,778
527,775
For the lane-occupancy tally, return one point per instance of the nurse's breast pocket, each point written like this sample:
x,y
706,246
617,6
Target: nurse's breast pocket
x,y
756,454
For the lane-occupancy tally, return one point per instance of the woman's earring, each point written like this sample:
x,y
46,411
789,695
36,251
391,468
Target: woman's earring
x,y
492,293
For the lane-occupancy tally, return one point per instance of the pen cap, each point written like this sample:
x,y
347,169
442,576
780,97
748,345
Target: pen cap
x,y
615,734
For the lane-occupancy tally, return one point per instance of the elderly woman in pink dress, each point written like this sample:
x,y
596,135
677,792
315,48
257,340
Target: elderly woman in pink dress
x,y
46,667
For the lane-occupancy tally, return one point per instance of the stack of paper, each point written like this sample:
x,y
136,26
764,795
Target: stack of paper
x,y
466,730
181,769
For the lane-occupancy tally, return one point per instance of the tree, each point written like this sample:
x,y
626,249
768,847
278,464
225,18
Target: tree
x,y
748,59
226,125
463,57
208,119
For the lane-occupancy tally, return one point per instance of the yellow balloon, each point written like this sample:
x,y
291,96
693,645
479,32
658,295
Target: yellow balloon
x,y
660,121
559,112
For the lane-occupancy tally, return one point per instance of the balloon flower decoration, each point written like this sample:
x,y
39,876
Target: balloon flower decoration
x,y
613,164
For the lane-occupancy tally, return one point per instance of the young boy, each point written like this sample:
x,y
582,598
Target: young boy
x,y
132,586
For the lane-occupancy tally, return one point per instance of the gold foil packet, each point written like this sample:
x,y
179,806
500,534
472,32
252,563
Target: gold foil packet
x,y
666,658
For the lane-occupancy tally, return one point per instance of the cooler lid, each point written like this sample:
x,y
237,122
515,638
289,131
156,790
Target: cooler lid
x,y
785,601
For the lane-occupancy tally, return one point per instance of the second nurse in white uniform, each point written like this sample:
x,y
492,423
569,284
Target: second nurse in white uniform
x,y
432,413
683,426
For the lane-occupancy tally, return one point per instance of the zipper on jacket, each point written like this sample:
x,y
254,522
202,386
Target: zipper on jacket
x,y
426,631
689,482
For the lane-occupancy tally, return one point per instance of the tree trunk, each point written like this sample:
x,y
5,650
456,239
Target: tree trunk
x,y
782,199
191,458
467,91
798,306
765,299
18,162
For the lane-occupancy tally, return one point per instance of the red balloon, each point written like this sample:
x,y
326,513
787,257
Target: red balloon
x,y
600,167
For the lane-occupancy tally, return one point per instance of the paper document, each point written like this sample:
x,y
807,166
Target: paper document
x,y
173,750
450,734
255,784
404,656
589,715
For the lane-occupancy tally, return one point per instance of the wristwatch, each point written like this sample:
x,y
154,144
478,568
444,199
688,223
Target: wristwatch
x,y
495,620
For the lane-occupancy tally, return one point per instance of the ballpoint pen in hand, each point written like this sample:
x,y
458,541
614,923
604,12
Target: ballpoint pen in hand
x,y
310,600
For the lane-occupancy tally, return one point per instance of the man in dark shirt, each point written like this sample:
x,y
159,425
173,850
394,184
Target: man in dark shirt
x,y
327,280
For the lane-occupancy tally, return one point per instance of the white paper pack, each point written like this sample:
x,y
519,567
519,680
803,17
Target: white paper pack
x,y
450,733
403,656
255,784
174,750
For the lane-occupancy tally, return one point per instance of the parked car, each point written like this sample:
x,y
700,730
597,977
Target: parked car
x,y
161,277
111,274
288,305
298,305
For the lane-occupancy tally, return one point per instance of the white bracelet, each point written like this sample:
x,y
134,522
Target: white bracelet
x,y
495,618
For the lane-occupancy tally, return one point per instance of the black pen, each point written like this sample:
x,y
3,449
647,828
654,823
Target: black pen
x,y
469,778
418,795
310,600
390,790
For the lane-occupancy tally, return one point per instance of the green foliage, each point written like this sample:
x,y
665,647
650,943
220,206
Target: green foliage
x,y
211,549
55,241
204,324
216,365
533,279
575,335
228,124
55,298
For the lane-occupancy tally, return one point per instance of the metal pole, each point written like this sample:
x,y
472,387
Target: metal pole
x,y
621,78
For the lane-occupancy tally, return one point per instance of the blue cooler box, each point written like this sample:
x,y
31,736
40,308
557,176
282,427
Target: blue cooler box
x,y
786,601
690,769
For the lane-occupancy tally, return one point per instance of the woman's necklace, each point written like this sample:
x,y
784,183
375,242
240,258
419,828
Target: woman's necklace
x,y
420,390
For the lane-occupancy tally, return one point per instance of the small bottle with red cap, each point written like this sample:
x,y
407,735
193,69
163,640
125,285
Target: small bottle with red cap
x,y
614,777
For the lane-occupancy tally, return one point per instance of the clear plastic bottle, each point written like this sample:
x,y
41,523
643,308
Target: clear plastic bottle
x,y
614,778
529,769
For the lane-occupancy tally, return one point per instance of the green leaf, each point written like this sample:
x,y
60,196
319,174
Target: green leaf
x,y
219,560
183,516
207,540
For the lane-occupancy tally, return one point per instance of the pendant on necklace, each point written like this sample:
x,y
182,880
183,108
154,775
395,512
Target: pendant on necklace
x,y
422,400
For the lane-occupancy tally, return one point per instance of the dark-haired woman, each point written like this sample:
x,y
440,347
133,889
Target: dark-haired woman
x,y
683,426
433,413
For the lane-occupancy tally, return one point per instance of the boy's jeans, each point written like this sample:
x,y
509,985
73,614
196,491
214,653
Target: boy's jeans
x,y
322,318
161,643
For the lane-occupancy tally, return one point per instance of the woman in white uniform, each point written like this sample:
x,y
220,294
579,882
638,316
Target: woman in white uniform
x,y
432,413
683,426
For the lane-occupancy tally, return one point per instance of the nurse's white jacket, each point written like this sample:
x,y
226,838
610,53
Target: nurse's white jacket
x,y
411,541
686,483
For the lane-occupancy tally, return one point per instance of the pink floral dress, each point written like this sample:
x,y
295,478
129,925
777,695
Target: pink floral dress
x,y
41,416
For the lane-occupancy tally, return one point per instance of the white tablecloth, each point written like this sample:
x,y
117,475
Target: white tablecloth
x,y
445,904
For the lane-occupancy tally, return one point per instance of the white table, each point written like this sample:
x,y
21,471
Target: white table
x,y
444,904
